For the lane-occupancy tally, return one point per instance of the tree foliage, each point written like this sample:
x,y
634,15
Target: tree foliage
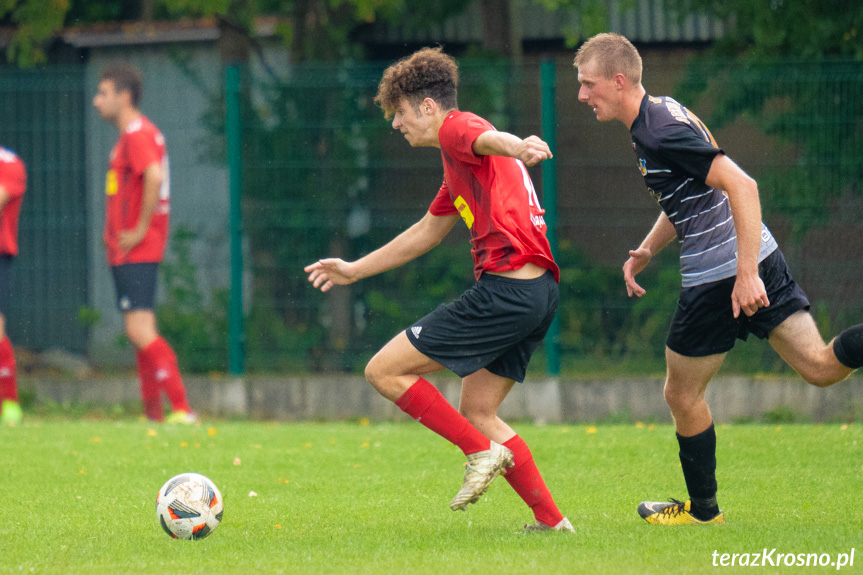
x,y
766,31
34,21
794,68
315,29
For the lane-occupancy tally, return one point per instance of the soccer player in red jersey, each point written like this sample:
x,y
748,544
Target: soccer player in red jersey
x,y
136,232
488,335
13,182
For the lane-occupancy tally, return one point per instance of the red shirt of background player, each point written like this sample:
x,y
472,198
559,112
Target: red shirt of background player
x,y
13,178
495,198
140,145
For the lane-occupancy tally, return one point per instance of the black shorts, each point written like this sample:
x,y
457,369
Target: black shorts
x,y
497,324
704,322
135,285
5,282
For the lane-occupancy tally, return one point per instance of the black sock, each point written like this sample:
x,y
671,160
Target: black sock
x,y
698,460
848,347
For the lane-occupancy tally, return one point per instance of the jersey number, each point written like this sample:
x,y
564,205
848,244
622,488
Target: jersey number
x,y
532,198
165,188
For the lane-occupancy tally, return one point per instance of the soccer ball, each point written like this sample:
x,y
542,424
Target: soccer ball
x,y
189,506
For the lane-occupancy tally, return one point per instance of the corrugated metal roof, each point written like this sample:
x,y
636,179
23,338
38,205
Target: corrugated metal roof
x,y
649,21
129,33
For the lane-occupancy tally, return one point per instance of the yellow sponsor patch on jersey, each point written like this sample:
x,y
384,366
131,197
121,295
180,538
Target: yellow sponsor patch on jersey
x,y
464,211
111,183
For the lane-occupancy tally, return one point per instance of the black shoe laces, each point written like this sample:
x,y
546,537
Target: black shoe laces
x,y
676,508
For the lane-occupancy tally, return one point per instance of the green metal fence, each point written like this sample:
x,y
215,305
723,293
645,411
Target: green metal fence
x,y
42,119
321,173
325,175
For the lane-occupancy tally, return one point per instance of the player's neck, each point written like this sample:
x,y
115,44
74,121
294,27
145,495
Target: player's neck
x,y
126,117
631,106
438,123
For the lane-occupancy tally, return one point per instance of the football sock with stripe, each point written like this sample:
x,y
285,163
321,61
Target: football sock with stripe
x,y
163,362
423,402
525,479
848,347
150,393
8,371
698,460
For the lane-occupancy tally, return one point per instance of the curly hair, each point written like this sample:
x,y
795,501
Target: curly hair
x,y
427,73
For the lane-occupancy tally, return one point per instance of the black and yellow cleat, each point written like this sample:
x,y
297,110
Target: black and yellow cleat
x,y
674,513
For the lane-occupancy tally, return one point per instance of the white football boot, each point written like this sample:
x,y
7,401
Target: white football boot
x,y
482,468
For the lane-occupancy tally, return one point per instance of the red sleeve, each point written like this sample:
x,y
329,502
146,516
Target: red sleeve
x,y
143,151
458,133
442,204
13,177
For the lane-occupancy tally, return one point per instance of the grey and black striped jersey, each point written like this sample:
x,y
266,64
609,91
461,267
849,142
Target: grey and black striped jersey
x,y
675,151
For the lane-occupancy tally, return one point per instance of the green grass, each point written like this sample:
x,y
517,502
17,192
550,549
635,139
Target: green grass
x,y
79,497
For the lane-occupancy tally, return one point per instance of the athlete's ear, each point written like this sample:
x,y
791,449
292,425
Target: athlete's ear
x,y
428,106
620,81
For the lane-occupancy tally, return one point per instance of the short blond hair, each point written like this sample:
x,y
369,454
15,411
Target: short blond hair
x,y
614,54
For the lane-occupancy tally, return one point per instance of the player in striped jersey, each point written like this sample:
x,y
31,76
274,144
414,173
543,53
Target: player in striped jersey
x,y
735,280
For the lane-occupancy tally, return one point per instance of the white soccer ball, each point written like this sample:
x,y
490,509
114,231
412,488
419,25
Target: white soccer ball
x,y
189,506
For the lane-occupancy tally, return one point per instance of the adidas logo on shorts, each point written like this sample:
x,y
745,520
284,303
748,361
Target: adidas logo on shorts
x,y
416,330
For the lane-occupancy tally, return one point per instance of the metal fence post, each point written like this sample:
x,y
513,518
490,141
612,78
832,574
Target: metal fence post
x,y
233,131
549,195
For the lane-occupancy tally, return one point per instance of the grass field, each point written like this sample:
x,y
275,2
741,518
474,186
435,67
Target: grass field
x,y
79,497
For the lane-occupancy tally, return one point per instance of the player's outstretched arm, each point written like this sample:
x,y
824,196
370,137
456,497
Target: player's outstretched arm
x,y
531,150
407,246
662,233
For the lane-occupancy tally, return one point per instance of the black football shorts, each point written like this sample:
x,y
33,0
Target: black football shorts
x,y
135,285
497,324
704,322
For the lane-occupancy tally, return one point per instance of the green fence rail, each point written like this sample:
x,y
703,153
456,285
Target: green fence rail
x,y
42,119
322,173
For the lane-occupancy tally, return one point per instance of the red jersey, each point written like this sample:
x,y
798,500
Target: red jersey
x,y
13,179
140,145
495,198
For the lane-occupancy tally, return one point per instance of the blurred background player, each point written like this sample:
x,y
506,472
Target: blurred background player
x,y
735,279
13,182
487,336
136,232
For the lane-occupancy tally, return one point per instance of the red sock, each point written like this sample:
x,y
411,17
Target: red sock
x,y
426,404
166,372
150,396
8,377
524,477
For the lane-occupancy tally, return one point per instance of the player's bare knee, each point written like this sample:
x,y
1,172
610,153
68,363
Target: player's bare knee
x,y
820,378
679,400
378,376
373,373
139,338
476,417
